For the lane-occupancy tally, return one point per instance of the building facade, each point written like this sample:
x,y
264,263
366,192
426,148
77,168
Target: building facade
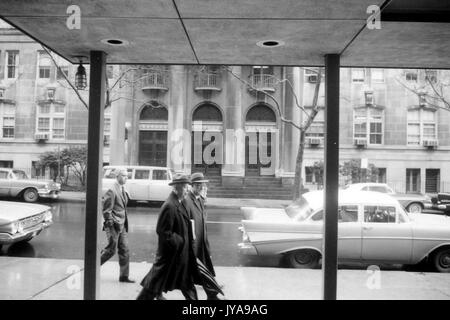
x,y
217,120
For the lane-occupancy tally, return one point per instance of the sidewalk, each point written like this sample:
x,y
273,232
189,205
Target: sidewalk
x,y
69,196
51,279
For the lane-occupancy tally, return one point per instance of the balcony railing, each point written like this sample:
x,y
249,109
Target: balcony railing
x,y
207,81
265,82
156,80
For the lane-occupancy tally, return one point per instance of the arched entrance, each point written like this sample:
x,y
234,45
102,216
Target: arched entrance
x,y
260,140
207,140
153,135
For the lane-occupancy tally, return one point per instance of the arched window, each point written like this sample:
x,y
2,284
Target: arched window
x,y
154,111
207,112
260,113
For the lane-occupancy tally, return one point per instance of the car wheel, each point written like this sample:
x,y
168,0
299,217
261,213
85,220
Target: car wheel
x,y
414,208
30,195
303,259
441,260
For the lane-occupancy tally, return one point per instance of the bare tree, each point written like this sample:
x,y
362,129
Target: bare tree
x,y
302,126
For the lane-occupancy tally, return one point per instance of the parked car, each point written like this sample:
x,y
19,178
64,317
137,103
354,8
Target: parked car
x,y
441,202
412,202
145,183
21,222
16,183
372,228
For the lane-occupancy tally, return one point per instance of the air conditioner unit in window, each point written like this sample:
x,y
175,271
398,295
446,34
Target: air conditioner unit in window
x,y
361,142
430,143
41,136
312,78
313,141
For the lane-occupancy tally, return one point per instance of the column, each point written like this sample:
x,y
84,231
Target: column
x,y
331,176
93,178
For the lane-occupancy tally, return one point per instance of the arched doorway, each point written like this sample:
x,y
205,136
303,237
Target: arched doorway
x,y
153,134
260,140
207,140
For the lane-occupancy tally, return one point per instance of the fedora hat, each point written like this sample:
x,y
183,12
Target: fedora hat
x,y
179,178
198,177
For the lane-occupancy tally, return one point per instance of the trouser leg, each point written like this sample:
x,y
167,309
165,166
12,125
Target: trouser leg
x,y
190,294
110,249
210,292
124,254
145,295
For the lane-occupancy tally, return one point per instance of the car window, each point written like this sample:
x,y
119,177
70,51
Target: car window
x,y
130,173
383,214
142,174
108,173
299,210
378,189
20,175
348,214
3,175
317,216
160,175
365,189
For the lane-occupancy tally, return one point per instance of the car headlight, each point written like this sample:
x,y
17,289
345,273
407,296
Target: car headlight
x,y
48,216
16,227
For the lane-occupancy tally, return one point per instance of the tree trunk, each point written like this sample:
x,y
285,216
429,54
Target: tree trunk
x,y
298,183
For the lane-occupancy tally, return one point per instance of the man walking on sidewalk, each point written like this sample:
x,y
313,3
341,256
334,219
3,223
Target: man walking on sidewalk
x,y
195,202
175,265
116,225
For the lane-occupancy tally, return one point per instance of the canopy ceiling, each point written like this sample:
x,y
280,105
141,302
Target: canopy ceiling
x,y
414,33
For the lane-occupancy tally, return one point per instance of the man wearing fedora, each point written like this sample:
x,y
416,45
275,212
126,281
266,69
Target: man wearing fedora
x,y
195,202
175,263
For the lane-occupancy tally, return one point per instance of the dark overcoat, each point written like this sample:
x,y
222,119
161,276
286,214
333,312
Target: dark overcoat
x,y
175,265
196,210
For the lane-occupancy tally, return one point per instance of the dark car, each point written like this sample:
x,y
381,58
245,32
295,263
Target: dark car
x,y
441,202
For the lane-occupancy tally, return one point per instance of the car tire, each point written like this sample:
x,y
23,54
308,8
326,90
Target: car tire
x,y
303,259
30,195
414,207
441,260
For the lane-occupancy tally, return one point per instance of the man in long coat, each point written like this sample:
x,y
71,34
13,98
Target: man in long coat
x,y
196,206
175,265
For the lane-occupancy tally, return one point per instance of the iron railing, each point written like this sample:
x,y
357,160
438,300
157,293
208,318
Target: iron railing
x,y
155,80
264,82
207,81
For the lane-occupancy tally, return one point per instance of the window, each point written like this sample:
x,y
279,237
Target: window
x,y
263,70
37,170
110,71
3,175
378,75
107,132
381,176
412,180
345,214
317,128
379,214
431,76
58,128
313,175
378,189
45,64
160,175
421,126
6,164
142,174
358,75
368,123
8,127
432,180
60,71
411,76
12,64
43,124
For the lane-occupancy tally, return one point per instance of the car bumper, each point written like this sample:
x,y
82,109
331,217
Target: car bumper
x,y
50,194
7,238
445,207
247,249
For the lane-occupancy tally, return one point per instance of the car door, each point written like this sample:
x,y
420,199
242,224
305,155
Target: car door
x,y
159,186
139,185
384,237
4,183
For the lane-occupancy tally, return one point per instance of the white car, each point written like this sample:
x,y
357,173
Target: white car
x,y
372,228
20,222
145,183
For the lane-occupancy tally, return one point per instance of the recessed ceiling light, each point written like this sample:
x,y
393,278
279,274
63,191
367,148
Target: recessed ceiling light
x,y
270,43
115,42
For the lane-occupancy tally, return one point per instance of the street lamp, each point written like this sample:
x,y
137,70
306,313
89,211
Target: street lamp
x,y
80,77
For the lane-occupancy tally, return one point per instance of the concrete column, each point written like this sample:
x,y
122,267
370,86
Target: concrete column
x,y
176,135
94,167
233,169
331,176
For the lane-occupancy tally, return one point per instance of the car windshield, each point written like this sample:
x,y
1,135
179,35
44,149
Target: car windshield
x,y
20,175
299,210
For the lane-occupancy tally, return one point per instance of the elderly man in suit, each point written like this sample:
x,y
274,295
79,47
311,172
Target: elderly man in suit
x,y
116,225
175,263
195,202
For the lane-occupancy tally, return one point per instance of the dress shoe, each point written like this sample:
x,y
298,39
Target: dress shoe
x,y
126,279
216,297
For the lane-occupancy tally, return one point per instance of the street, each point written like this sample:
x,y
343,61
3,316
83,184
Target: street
x,y
65,238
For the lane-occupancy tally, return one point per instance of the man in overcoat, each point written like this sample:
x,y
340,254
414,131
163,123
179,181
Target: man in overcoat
x,y
195,202
116,225
175,264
